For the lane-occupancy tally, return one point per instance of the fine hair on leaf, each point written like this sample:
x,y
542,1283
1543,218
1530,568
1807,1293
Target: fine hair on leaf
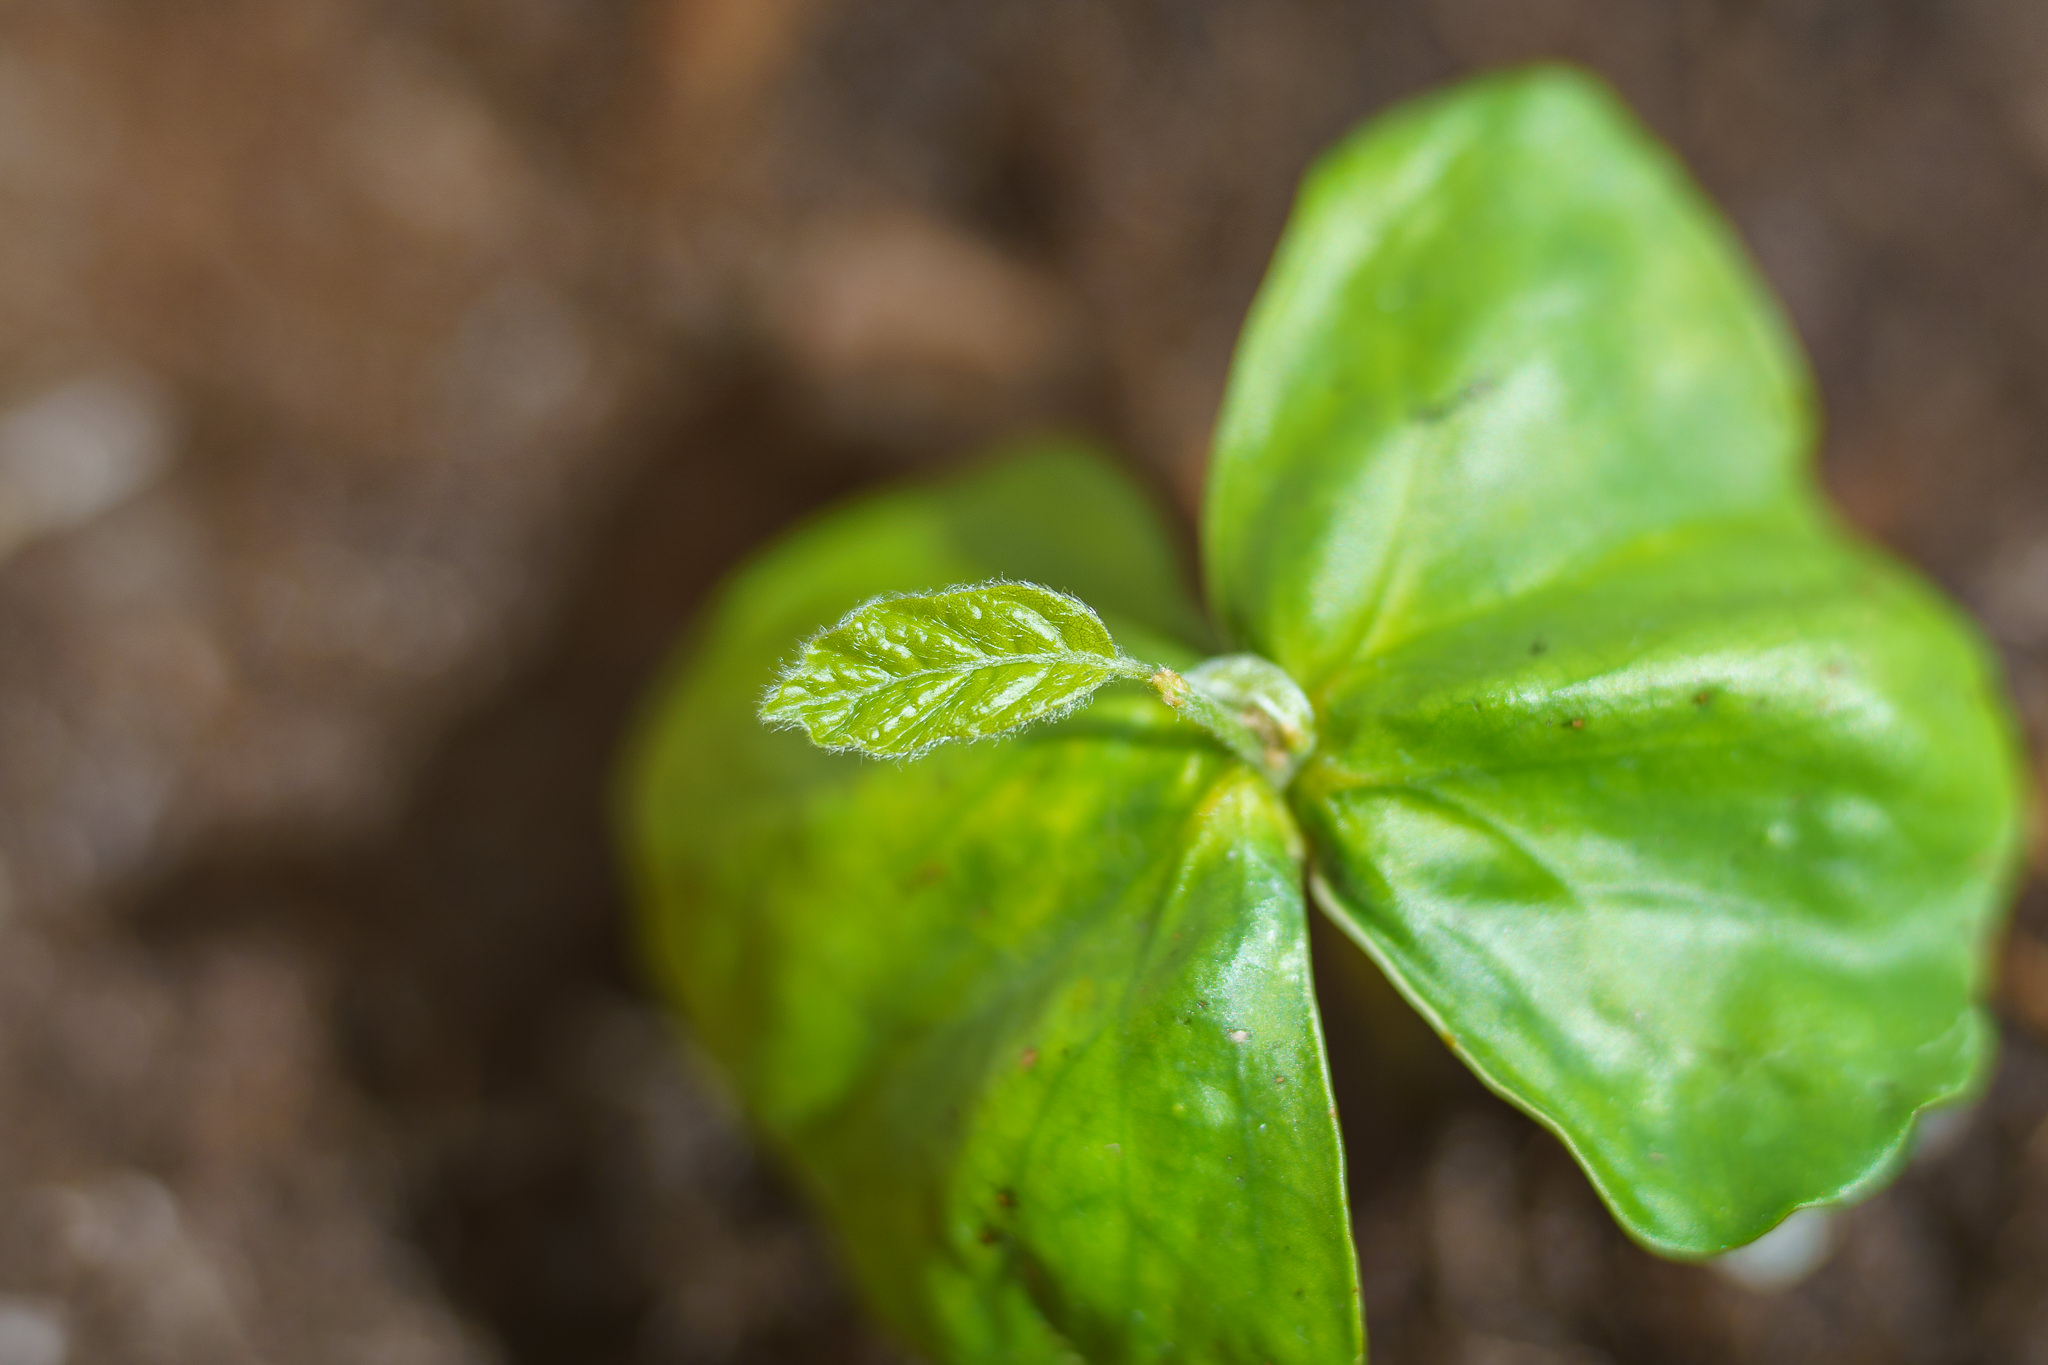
x,y
901,673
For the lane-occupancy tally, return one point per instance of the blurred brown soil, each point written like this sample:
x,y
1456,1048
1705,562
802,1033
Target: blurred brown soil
x,y
381,388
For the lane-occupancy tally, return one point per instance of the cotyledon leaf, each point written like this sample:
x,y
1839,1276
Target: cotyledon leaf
x,y
1681,815
901,673
1502,336
1032,1020
1695,858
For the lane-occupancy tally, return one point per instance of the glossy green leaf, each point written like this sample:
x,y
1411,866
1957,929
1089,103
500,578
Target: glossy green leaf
x,y
1032,1019
1695,858
1683,817
901,673
1502,338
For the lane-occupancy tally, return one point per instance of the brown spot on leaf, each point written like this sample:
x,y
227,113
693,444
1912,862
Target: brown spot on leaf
x,y
1029,1058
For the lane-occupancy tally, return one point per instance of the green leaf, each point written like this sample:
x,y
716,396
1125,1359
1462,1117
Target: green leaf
x,y
899,674
1694,858
1032,1020
1681,816
1502,337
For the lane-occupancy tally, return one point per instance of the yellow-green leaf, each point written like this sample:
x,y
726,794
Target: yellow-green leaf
x,y
1033,1020
901,673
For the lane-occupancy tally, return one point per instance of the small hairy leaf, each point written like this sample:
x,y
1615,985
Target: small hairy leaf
x,y
899,674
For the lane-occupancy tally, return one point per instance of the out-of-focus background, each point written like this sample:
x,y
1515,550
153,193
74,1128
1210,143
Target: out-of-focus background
x,y
381,386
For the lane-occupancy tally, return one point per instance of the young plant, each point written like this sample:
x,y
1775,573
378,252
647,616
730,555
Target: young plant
x,y
1683,816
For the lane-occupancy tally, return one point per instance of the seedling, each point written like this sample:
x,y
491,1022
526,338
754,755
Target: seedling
x,y
1681,815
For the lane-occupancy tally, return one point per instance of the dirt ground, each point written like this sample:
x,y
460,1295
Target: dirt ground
x,y
381,387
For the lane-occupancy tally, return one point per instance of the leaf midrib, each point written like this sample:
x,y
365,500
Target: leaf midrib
x,y
1105,663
